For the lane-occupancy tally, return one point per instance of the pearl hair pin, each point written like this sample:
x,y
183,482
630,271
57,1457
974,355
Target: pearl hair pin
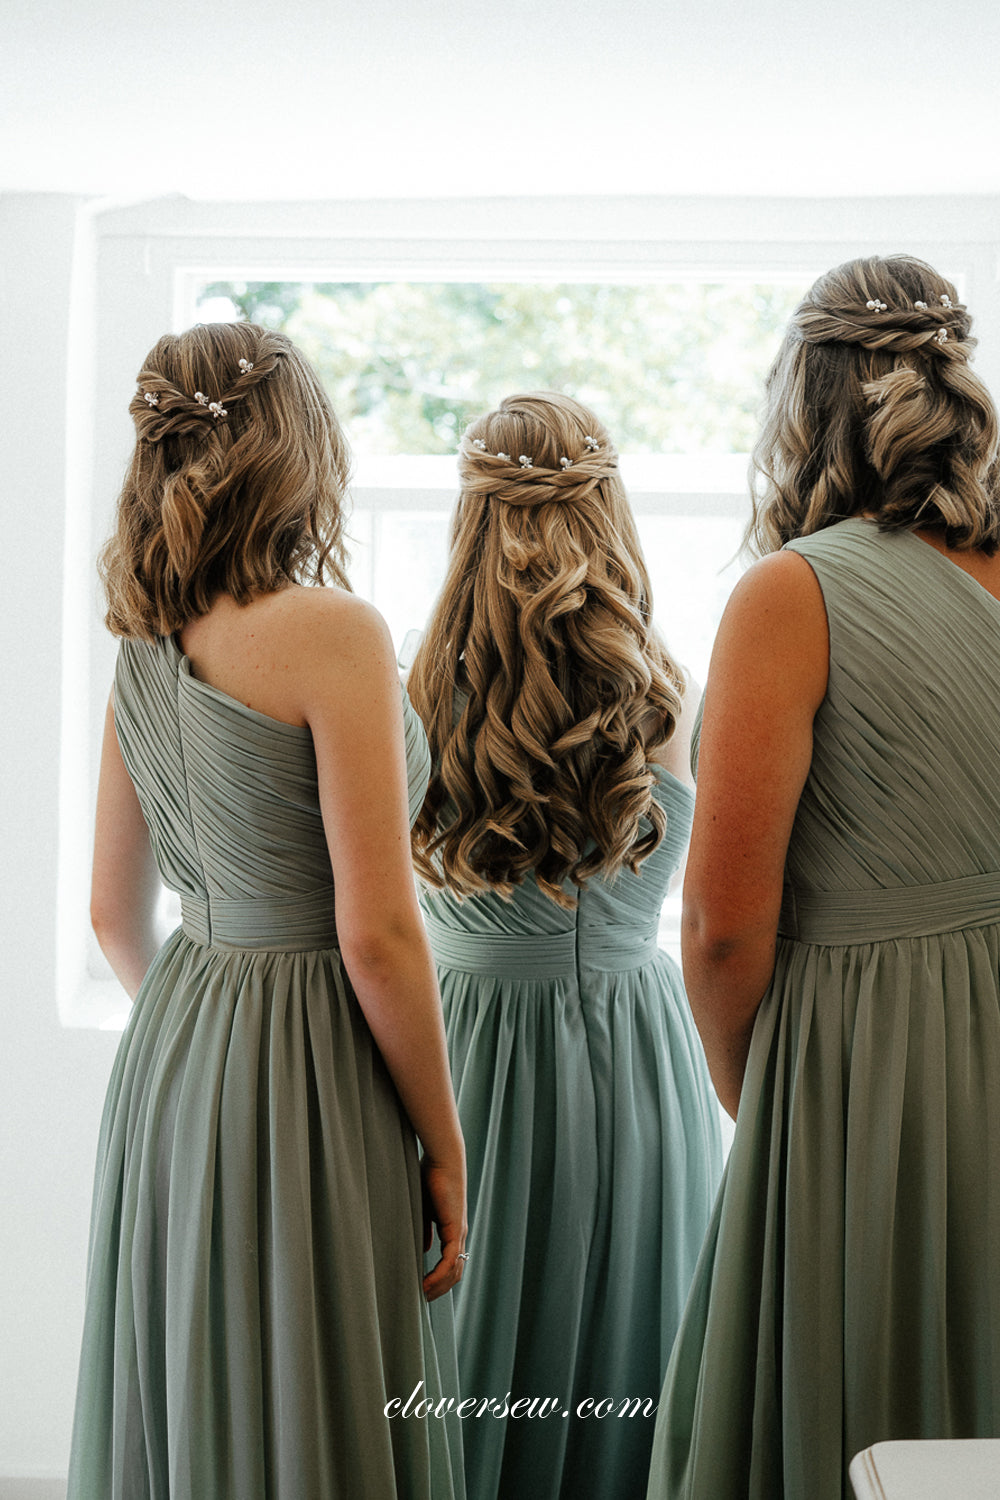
x,y
591,444
215,407
920,306
945,300
876,306
941,336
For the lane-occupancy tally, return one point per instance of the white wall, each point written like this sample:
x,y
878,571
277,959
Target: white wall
x,y
53,1080
376,98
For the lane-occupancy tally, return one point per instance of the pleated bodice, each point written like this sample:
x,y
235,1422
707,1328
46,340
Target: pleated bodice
x,y
612,928
903,788
232,805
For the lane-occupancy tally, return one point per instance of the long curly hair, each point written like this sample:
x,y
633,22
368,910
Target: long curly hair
x,y
236,483
540,679
872,408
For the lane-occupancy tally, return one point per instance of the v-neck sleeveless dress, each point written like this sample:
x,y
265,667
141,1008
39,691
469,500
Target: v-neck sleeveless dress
x,y
849,1288
254,1293
594,1156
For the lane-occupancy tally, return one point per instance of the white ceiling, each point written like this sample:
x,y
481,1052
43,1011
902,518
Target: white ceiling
x,y
392,98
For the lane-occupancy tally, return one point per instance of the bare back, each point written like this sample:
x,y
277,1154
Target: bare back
x,y
254,652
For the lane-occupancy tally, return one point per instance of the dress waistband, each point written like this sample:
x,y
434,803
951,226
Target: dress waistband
x,y
835,917
539,955
276,924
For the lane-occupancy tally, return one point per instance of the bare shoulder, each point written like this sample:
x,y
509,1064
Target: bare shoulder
x,y
783,583
774,630
325,617
335,641
282,652
332,643
301,607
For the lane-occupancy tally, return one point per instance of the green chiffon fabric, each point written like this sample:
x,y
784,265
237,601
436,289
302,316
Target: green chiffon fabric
x,y
593,1147
849,1288
254,1286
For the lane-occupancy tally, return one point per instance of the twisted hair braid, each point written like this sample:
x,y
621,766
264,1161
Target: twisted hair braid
x,y
176,413
872,407
540,678
236,482
509,481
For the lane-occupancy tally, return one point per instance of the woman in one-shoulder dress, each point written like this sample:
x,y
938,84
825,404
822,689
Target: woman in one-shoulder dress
x,y
254,1297
842,917
557,813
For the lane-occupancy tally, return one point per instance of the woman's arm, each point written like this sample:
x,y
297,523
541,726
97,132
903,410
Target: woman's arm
x,y
767,679
125,881
350,698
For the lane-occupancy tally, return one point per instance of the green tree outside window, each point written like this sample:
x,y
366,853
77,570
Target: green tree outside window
x,y
669,367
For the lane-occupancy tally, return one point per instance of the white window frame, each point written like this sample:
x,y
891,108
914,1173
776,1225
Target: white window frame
x,y
137,270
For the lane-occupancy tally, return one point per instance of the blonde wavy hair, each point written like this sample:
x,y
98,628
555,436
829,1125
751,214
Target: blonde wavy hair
x,y
871,407
236,483
540,679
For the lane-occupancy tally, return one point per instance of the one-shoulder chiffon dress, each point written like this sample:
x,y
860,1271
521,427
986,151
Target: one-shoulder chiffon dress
x,y
594,1156
254,1288
849,1290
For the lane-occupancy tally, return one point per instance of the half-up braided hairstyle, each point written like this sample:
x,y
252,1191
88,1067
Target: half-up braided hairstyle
x,y
236,483
540,678
872,408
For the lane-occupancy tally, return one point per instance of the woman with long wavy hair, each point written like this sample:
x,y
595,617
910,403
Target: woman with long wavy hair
x,y
254,1298
557,812
842,916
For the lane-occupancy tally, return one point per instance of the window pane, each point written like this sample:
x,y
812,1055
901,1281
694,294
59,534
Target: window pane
x,y
692,567
401,566
672,367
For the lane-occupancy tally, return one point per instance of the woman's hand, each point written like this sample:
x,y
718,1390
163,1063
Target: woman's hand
x,y
444,1209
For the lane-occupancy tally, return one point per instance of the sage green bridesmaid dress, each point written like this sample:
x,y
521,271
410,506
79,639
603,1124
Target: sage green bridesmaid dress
x,y
254,1289
849,1289
593,1146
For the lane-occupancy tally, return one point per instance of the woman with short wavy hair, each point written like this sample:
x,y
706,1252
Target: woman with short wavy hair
x,y
255,1295
842,915
556,814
